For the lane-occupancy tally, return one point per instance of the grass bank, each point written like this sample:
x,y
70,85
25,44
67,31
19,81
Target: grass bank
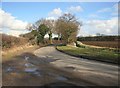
x,y
10,54
91,53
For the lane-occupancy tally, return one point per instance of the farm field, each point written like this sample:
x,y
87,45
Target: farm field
x,y
91,53
111,44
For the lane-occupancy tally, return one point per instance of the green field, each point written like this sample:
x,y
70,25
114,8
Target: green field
x,y
91,53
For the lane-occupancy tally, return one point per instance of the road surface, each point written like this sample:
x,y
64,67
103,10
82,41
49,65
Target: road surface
x,y
47,66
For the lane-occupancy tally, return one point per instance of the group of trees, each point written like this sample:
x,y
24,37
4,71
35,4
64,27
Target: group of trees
x,y
66,27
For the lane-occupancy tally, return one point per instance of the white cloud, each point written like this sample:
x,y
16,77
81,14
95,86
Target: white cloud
x,y
94,16
51,18
10,25
9,21
75,9
15,33
104,10
82,32
116,9
108,27
56,12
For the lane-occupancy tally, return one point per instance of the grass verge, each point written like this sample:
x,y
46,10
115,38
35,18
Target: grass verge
x,y
10,55
91,53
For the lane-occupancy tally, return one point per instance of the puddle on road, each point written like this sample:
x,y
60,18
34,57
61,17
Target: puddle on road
x,y
61,78
33,71
28,65
9,69
30,68
58,77
42,56
37,73
69,68
26,58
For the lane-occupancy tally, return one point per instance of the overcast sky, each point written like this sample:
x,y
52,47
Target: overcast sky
x,y
97,17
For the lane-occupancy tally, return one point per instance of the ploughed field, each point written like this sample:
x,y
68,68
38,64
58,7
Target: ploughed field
x,y
111,44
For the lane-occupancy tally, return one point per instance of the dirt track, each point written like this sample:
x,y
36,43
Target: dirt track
x,y
47,66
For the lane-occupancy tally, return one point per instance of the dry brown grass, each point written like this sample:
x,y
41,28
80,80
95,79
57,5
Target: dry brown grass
x,y
9,41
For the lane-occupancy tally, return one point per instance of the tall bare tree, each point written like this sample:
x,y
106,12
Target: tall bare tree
x,y
67,27
58,28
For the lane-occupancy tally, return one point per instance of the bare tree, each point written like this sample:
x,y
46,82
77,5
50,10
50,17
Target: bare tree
x,y
67,27
30,27
58,28
49,24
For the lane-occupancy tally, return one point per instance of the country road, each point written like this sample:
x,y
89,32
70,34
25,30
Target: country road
x,y
47,66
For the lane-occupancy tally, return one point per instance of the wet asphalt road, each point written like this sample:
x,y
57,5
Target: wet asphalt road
x,y
47,66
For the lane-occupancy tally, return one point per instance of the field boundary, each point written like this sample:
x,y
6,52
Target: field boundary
x,y
87,57
16,48
94,46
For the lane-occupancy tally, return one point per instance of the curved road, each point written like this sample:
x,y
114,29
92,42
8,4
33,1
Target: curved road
x,y
98,73
47,66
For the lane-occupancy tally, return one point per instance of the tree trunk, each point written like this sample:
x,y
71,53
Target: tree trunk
x,y
58,37
50,37
68,40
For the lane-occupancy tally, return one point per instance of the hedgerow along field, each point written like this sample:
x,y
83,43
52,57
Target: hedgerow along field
x,y
9,41
110,44
102,41
108,51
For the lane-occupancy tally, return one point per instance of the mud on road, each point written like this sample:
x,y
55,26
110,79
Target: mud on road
x,y
29,70
47,66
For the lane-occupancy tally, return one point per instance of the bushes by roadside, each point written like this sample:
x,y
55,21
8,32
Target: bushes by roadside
x,y
9,41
